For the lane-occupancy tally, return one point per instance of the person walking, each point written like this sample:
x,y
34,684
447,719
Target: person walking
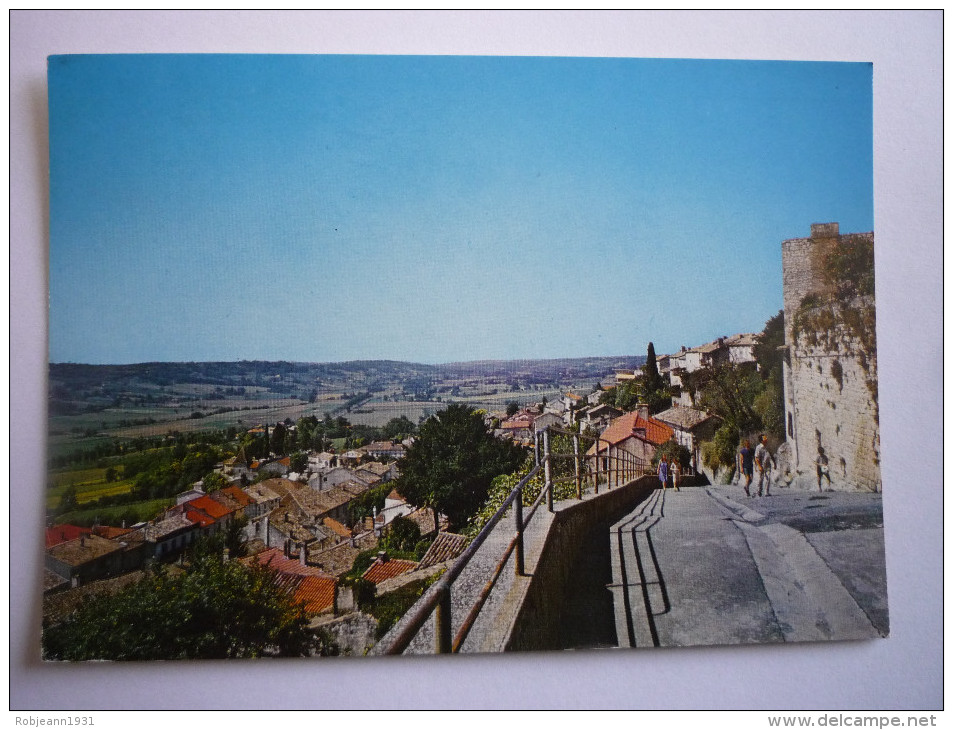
x,y
747,465
823,469
676,471
765,462
663,472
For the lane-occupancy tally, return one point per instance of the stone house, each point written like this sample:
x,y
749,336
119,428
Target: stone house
x,y
690,426
636,433
86,558
384,450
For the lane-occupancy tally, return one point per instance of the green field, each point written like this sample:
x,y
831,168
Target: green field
x,y
132,513
90,484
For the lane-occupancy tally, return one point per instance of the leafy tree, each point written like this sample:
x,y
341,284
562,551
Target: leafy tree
x,y
111,474
769,405
400,427
68,501
769,353
728,391
299,461
400,536
512,407
673,450
767,350
720,451
213,481
452,462
213,610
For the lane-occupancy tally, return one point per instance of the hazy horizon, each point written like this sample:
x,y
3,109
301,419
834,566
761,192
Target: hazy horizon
x,y
355,360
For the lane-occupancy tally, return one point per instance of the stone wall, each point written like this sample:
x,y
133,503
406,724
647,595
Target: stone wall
x,y
537,623
828,397
354,633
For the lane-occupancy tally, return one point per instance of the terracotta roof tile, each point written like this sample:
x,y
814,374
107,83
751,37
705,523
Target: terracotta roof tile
x,y
447,546
629,425
381,570
316,593
336,527
214,509
111,533
199,518
238,495
275,559
64,533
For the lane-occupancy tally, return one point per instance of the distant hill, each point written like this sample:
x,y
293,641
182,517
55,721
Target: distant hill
x,y
259,372
77,389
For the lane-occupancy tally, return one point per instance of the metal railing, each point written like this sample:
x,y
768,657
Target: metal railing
x,y
586,471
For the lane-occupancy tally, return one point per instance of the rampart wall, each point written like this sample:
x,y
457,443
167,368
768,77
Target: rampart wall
x,y
829,380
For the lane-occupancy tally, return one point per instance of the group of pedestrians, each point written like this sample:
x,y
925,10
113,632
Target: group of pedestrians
x,y
760,457
669,473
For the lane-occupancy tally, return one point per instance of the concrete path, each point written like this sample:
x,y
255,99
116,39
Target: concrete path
x,y
708,566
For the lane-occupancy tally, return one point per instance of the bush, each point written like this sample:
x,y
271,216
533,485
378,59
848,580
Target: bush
x,y
673,450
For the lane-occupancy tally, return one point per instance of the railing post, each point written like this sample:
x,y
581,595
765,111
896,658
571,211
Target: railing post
x,y
442,635
575,446
536,446
598,460
548,486
518,512
611,465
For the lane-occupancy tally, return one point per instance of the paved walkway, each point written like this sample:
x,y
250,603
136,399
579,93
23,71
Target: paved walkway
x,y
706,565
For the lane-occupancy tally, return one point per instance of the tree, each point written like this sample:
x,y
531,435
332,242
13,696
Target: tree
x,y
654,390
299,461
512,407
452,462
769,353
278,438
728,391
213,481
650,374
214,610
768,349
400,427
673,451
68,501
400,536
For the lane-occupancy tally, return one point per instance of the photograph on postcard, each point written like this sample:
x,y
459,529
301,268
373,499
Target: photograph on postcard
x,y
379,355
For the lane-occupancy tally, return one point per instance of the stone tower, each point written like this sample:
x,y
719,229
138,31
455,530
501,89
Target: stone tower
x,y
830,368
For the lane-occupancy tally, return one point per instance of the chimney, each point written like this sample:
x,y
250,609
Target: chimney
x,y
643,411
382,556
303,554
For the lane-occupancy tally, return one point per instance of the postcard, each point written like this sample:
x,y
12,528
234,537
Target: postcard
x,y
377,355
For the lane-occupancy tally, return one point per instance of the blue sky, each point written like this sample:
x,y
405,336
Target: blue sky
x,y
435,209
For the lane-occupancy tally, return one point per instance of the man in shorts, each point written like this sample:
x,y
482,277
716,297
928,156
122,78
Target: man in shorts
x,y
765,462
